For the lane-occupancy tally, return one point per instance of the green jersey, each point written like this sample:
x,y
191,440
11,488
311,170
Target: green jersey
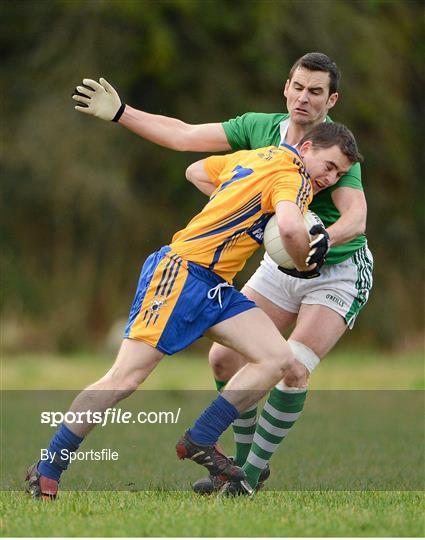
x,y
256,130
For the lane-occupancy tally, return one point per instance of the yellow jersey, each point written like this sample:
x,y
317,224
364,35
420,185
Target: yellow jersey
x,y
230,227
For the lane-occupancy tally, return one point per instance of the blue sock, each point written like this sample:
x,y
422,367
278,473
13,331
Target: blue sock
x,y
63,439
214,421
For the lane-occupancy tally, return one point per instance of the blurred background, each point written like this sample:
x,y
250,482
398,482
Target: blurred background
x,y
84,202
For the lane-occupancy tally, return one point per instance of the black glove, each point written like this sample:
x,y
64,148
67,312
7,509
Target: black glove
x,y
319,246
309,274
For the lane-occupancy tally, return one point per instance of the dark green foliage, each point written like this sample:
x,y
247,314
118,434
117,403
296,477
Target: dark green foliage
x,y
84,202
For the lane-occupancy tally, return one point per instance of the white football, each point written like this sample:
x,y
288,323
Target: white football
x,y
273,242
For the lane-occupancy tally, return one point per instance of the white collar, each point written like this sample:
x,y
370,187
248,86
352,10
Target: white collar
x,y
283,128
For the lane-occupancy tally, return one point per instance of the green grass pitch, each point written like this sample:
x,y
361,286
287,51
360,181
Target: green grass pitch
x,y
183,514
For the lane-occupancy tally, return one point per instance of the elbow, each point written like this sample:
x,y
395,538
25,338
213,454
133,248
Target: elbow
x,y
358,220
191,173
361,226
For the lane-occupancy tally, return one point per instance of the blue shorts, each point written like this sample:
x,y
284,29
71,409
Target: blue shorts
x,y
177,301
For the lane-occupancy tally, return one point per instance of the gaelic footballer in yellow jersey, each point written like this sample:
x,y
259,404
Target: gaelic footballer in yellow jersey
x,y
180,292
249,185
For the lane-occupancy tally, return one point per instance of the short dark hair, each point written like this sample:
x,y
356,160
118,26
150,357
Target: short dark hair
x,y
316,61
328,134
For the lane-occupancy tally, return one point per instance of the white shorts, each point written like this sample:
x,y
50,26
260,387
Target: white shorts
x,y
342,287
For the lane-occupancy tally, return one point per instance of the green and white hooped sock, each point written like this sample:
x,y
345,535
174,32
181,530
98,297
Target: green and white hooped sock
x,y
243,429
281,410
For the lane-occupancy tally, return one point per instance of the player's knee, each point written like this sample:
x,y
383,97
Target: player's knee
x,y
217,361
122,385
304,355
122,393
286,364
222,362
132,384
305,361
124,390
296,376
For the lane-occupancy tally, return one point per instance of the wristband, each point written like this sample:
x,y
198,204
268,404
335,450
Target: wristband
x,y
118,113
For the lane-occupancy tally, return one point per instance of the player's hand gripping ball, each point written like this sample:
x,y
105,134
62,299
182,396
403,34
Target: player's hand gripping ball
x,y
319,246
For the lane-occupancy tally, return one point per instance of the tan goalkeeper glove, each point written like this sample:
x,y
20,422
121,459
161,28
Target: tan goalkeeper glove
x,y
101,100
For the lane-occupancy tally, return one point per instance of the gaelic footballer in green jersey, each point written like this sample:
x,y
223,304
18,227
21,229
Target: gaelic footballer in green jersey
x,y
343,286
255,130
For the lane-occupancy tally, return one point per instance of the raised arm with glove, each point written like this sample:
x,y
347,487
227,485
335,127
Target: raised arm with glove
x,y
102,101
98,99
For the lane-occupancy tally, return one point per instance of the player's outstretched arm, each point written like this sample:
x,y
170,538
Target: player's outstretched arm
x,y
351,204
100,99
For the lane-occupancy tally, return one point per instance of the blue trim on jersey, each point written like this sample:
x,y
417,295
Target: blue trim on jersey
x,y
224,244
304,190
241,172
291,148
256,231
301,190
246,206
229,225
